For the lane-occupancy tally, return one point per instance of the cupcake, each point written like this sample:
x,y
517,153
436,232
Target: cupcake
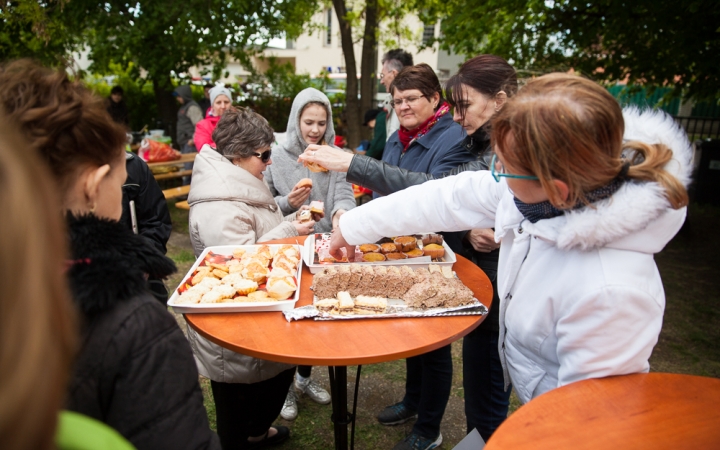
x,y
373,257
388,247
434,251
369,248
395,256
405,243
414,253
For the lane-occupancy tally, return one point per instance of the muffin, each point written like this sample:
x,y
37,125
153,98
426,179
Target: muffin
x,y
414,253
434,251
432,238
395,256
369,248
388,247
405,243
373,257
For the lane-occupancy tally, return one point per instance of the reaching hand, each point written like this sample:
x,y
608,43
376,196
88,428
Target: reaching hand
x,y
483,239
327,157
336,218
337,242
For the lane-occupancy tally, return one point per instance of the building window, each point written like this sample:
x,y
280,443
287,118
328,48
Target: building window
x,y
428,33
289,44
328,24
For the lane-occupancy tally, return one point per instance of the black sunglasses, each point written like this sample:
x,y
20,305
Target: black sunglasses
x,y
264,156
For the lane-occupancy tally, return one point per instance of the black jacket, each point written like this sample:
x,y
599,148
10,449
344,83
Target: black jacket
x,y
135,370
151,212
384,179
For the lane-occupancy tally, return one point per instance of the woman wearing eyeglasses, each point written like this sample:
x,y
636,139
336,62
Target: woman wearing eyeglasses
x,y
583,196
230,205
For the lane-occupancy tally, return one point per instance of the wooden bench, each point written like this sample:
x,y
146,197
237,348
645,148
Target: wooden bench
x,y
182,205
176,192
185,158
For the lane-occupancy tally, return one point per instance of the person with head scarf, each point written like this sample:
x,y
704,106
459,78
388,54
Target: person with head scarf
x,y
220,101
310,122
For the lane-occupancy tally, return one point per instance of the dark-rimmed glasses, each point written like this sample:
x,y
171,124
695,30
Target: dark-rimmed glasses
x,y
494,163
264,156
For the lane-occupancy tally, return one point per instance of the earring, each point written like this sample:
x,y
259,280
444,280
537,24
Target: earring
x,y
92,209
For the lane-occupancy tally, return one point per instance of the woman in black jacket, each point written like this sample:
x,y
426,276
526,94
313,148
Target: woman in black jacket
x,y
479,89
135,370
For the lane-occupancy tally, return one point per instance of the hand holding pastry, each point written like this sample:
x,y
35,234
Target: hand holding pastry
x,y
337,243
482,239
304,228
326,157
299,194
317,209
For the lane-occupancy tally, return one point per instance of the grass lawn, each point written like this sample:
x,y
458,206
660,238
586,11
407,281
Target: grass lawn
x,y
688,342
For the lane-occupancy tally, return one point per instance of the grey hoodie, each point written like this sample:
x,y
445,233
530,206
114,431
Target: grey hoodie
x,y
284,173
188,115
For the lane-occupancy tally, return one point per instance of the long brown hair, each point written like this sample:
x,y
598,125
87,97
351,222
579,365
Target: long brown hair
x,y
568,128
60,118
37,319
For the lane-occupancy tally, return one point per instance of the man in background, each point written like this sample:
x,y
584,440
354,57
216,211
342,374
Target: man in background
x,y
188,116
205,102
392,63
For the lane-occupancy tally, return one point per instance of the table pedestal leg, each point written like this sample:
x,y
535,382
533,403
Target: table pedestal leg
x,y
340,416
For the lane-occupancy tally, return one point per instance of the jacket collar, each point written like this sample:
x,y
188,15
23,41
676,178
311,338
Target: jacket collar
x,y
108,263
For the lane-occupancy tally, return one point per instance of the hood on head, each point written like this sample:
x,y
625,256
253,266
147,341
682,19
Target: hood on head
x,y
184,92
294,142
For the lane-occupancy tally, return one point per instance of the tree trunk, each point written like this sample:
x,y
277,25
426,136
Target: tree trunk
x,y
368,63
354,120
167,105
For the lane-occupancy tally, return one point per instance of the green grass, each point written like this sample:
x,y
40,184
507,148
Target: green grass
x,y
688,343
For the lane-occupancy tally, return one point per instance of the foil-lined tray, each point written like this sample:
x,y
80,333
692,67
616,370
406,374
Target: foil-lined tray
x,y
396,308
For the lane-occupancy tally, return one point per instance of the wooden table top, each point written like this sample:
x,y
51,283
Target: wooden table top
x,y
268,335
184,158
639,411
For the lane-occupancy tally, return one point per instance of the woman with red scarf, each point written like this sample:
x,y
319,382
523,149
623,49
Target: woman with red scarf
x,y
428,140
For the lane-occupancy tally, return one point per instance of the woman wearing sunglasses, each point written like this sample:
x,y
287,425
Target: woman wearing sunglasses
x,y
581,195
231,205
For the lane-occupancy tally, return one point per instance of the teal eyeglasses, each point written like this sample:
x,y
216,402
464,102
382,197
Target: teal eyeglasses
x,y
493,170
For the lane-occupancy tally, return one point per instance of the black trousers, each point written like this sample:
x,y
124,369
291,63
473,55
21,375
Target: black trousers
x,y
427,389
245,410
305,371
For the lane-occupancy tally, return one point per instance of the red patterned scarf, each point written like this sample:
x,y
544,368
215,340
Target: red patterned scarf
x,y
407,137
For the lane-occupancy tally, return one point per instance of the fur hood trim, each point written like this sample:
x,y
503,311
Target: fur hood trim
x,y
637,205
109,263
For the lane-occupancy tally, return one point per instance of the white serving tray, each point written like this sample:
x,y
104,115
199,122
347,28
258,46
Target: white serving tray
x,y
281,305
308,255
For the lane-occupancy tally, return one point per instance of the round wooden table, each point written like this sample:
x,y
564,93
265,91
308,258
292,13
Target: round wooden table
x,y
340,343
639,411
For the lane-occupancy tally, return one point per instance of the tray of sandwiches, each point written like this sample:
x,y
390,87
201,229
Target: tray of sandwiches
x,y
355,291
241,278
419,250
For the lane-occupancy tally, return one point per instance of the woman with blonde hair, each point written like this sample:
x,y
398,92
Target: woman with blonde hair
x,y
134,370
581,195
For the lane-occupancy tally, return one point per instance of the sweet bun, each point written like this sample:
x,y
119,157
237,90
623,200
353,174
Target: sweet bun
x,y
369,248
304,183
373,257
388,247
315,167
414,253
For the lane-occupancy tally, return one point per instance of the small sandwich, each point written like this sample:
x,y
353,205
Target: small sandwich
x,y
315,167
304,183
304,216
317,207
370,305
346,306
327,305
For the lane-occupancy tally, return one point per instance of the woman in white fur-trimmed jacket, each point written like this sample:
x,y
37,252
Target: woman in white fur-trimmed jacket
x,y
581,196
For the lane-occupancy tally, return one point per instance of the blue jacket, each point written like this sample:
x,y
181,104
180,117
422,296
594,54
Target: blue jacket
x,y
438,151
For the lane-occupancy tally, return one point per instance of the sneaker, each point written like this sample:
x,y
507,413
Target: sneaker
x,y
313,390
416,442
290,408
396,414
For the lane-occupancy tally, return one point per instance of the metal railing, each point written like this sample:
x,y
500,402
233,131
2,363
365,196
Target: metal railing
x,y
700,127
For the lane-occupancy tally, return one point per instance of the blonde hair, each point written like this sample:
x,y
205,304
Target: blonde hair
x,y
565,127
37,319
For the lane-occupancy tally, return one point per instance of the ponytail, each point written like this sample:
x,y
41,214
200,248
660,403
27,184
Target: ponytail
x,y
648,162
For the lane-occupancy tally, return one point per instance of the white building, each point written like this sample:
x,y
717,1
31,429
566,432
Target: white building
x,y
321,51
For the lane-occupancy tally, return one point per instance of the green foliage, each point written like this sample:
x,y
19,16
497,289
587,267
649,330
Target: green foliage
x,y
647,42
139,95
271,93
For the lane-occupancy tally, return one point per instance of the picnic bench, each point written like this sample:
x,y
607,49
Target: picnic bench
x,y
185,158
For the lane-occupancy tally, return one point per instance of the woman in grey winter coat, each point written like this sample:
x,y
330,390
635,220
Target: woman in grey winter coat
x,y
230,205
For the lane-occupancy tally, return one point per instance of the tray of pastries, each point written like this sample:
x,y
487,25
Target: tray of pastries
x,y
355,291
241,278
419,250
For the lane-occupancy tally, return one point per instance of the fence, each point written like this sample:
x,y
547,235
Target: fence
x,y
700,127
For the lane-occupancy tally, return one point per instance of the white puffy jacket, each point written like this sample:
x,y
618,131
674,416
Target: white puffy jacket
x,y
581,296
